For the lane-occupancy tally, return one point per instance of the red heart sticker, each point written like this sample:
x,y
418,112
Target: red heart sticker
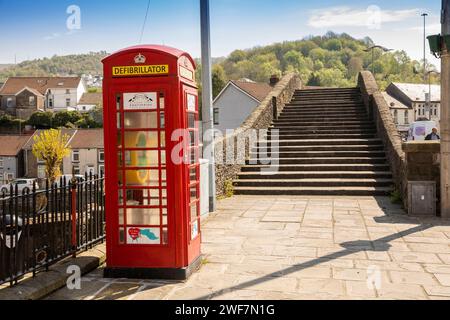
x,y
134,233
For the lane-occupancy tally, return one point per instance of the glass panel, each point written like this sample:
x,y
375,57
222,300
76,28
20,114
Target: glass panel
x,y
119,159
121,216
120,197
193,156
194,214
118,101
119,121
143,217
141,139
165,219
120,177
193,174
163,120
194,194
138,198
192,139
137,120
121,235
163,157
119,139
191,120
163,174
142,178
163,140
162,101
165,236
141,158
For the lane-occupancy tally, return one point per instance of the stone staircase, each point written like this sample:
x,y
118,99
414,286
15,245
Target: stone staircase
x,y
327,146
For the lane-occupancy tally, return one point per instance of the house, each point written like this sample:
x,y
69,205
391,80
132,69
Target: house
x,y
416,98
22,96
237,101
402,115
35,168
89,101
12,157
87,153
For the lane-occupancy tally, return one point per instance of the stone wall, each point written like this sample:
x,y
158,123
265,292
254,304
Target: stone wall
x,y
379,111
261,118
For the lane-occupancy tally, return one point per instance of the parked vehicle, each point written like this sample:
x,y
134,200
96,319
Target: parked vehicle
x,y
21,185
68,178
420,129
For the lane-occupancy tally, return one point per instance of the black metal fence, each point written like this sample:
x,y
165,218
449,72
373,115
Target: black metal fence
x,y
40,227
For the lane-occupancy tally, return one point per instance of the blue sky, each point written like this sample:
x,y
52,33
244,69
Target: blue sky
x,y
32,29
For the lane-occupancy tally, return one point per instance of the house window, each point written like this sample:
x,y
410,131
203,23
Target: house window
x,y
9,103
216,116
67,91
76,156
396,117
406,117
101,170
90,170
9,176
1,163
41,172
50,102
101,155
76,170
68,103
31,100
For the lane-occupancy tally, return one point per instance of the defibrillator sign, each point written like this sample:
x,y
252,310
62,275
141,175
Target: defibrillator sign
x,y
136,71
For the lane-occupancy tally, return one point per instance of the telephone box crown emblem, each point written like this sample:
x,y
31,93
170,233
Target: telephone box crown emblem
x,y
140,58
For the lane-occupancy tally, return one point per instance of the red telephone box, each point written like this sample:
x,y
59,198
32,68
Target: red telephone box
x,y
152,163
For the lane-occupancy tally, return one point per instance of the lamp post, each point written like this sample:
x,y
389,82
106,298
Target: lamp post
x,y
207,101
372,48
424,15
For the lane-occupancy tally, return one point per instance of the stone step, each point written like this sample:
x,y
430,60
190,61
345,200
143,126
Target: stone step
x,y
325,103
320,136
311,191
318,154
322,127
318,123
314,183
317,160
328,90
317,118
267,169
304,111
300,132
316,175
320,142
321,148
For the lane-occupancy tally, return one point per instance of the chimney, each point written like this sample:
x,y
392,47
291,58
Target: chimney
x,y
274,79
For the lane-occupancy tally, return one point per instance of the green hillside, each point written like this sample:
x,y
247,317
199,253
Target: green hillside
x,y
332,60
71,65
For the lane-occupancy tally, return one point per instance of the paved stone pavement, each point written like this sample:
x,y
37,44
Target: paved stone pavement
x,y
303,248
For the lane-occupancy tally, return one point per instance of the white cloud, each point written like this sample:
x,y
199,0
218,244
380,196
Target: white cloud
x,y
52,36
371,17
432,28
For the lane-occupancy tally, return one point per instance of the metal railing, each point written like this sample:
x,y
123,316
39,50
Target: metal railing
x,y
39,227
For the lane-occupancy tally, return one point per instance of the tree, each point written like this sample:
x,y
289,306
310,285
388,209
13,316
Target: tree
x,y
355,65
50,146
41,120
219,80
66,118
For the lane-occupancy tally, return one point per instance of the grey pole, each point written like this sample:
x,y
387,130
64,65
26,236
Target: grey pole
x,y
445,115
424,15
207,101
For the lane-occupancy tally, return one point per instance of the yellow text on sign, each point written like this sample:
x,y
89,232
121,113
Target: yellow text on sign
x,y
136,71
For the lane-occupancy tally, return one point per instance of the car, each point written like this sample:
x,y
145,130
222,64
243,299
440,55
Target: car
x,y
21,185
68,178
420,129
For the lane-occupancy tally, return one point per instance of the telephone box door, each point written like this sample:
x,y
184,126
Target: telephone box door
x,y
142,193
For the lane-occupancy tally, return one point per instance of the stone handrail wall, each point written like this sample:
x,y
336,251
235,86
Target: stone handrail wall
x,y
261,118
379,111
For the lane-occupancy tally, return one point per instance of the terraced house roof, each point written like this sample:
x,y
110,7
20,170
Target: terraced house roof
x,y
41,84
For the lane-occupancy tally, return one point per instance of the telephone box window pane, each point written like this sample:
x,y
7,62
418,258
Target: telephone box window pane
x,y
119,139
163,157
120,177
193,156
120,159
118,101
141,159
163,120
194,214
165,218
162,101
121,235
139,120
120,196
119,121
191,120
139,198
165,236
192,137
143,217
193,174
163,139
142,178
141,139
121,216
194,194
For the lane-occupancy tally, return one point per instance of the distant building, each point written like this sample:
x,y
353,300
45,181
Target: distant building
x,y
237,101
22,96
12,157
403,116
89,101
87,153
415,98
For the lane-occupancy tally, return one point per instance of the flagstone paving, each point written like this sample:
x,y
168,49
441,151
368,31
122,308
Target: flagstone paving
x,y
269,247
